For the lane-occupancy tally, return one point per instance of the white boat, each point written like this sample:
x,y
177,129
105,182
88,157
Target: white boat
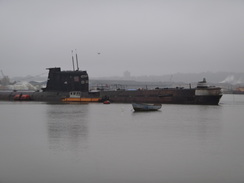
x,y
146,107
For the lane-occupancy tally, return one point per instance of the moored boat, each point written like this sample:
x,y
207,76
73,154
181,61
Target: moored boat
x,y
146,107
76,96
201,95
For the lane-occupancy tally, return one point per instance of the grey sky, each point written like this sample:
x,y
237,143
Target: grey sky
x,y
145,37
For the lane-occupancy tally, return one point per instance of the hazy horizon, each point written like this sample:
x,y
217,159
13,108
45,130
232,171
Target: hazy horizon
x,y
144,37
211,77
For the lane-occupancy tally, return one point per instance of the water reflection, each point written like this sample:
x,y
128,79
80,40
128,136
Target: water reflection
x,y
208,122
110,143
67,126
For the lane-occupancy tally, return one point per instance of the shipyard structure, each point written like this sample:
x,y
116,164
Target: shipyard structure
x,y
73,86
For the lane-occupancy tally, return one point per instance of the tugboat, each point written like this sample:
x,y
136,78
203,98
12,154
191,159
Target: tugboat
x,y
76,96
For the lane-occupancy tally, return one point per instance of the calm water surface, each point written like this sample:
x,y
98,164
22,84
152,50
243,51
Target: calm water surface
x,y
89,143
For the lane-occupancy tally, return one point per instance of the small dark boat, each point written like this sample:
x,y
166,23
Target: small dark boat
x,y
146,107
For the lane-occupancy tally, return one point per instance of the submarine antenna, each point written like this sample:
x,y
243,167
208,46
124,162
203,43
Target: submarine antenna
x,y
73,60
76,60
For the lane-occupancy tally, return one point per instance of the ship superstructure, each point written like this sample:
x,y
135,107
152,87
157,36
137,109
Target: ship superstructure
x,y
66,81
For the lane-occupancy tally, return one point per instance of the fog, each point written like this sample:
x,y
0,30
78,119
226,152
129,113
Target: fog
x,y
144,37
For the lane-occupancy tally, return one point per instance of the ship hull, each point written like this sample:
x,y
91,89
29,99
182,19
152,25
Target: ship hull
x,y
163,96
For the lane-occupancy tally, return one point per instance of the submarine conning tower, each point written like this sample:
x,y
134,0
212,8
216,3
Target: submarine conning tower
x,y
67,81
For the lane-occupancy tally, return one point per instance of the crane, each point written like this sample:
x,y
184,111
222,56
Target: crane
x,y
5,80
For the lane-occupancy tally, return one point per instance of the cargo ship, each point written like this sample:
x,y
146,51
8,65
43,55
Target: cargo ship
x,y
61,86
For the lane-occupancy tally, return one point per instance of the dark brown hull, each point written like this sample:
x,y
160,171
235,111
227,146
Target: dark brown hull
x,y
163,96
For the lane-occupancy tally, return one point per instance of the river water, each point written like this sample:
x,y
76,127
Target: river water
x,y
89,143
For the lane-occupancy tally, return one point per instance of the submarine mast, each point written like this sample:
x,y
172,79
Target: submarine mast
x,y
73,60
76,60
